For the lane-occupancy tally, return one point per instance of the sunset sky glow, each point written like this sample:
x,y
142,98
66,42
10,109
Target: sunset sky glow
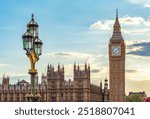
x,y
77,31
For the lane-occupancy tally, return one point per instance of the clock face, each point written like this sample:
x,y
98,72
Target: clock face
x,y
116,50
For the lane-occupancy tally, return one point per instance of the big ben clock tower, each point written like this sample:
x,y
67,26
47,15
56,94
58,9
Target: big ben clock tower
x,y
117,64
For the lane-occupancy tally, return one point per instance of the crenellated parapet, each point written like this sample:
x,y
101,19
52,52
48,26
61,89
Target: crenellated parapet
x,y
81,73
55,74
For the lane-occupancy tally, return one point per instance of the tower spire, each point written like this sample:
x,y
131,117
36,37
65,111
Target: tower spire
x,y
116,13
117,27
85,67
116,76
58,66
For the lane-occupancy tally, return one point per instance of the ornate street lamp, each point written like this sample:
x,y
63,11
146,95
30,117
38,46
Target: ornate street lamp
x,y
33,47
106,91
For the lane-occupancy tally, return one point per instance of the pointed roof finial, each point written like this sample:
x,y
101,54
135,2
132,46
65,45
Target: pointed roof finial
x,y
74,64
85,65
85,62
32,22
58,65
32,16
116,13
78,67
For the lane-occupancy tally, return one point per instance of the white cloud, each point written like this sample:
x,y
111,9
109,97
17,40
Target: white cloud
x,y
146,3
94,60
11,74
130,25
131,42
127,20
136,46
74,56
102,25
3,65
139,1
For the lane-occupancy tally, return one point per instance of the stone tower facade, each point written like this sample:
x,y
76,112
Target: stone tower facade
x,y
117,64
5,81
81,83
55,81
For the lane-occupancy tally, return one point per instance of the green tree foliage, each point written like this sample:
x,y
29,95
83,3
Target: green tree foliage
x,y
135,98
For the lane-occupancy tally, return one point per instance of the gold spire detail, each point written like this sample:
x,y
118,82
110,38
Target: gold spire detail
x,y
117,27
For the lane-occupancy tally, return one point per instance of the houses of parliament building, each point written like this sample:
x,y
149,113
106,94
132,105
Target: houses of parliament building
x,y
54,87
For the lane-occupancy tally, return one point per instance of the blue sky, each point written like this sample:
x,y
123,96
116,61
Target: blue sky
x,y
76,31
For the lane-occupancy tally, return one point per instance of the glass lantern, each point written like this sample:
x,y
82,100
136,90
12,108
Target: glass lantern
x,y
27,41
33,26
38,46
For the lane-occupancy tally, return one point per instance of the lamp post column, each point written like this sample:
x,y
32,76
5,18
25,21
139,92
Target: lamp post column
x,y
33,83
33,46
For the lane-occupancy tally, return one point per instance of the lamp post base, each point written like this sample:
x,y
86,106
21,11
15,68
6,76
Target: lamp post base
x,y
31,98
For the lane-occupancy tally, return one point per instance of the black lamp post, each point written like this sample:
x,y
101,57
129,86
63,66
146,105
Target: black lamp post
x,y
106,91
33,47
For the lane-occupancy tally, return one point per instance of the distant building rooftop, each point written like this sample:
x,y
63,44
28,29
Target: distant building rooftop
x,y
22,82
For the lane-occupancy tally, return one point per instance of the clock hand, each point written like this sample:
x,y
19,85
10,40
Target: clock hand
x,y
115,50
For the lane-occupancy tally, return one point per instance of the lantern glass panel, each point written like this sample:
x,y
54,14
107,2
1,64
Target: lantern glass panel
x,y
24,43
41,49
27,43
30,44
36,48
31,30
